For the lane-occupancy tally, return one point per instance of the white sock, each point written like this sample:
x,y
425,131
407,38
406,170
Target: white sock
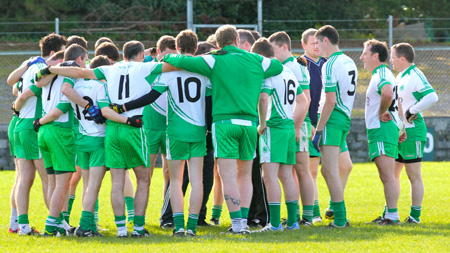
x,y
236,224
392,216
244,223
65,225
13,223
25,228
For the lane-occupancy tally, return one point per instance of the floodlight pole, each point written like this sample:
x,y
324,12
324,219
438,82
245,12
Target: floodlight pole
x,y
391,21
260,17
190,14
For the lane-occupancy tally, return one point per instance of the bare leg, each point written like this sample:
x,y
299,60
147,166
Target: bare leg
x,y
304,177
413,170
218,194
195,168
27,175
117,198
345,167
94,183
142,190
244,180
59,194
40,167
176,169
386,169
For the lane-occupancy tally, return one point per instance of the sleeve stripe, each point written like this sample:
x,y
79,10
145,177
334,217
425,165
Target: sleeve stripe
x,y
266,63
209,59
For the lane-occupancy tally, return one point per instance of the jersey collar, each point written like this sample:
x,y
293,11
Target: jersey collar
x,y
292,58
336,53
311,60
379,67
408,70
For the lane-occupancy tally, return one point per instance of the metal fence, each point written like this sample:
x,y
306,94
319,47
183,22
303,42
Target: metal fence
x,y
431,57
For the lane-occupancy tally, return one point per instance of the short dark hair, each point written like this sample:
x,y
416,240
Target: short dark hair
x,y
52,42
255,34
75,39
108,49
133,48
204,47
263,47
100,60
379,47
307,33
166,41
330,32
246,35
74,51
101,40
187,41
226,35
404,50
57,56
281,38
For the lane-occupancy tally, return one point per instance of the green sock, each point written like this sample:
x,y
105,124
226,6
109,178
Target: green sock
x,y
139,222
316,209
291,207
298,212
330,205
51,224
415,212
216,211
244,212
274,208
192,222
85,220
96,212
384,211
178,220
236,215
120,222
61,216
129,202
308,212
23,219
340,215
66,217
71,200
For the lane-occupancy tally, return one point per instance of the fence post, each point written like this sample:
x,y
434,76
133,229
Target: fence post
x,y
57,25
190,14
390,36
260,17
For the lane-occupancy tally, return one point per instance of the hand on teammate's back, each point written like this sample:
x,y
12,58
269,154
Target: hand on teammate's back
x,y
385,117
117,108
95,113
34,60
41,73
135,121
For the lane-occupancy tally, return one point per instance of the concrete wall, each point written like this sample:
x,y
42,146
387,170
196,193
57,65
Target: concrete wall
x,y
357,142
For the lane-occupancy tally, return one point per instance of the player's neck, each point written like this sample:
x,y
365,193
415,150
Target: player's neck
x,y
406,66
284,56
187,54
332,49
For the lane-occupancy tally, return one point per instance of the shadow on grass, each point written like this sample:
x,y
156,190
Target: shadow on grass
x,y
319,234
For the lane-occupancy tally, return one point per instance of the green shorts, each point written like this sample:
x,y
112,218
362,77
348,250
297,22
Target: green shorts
x,y
126,147
58,147
411,150
156,141
333,137
235,140
277,146
302,145
314,153
51,171
11,127
382,148
90,159
26,145
181,150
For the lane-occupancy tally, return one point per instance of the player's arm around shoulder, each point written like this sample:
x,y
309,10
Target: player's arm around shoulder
x,y
271,67
198,64
74,72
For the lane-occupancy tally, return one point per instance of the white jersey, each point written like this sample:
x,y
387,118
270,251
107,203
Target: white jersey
x,y
340,75
380,76
300,72
30,107
52,96
160,105
127,81
92,91
413,86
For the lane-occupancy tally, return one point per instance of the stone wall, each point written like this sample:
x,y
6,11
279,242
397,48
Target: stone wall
x,y
357,142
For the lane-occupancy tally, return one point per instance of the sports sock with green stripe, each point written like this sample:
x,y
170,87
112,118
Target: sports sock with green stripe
x,y
69,206
129,202
274,208
415,212
96,212
308,212
236,222
139,222
316,208
291,207
24,223
120,222
216,211
392,214
51,224
178,220
340,214
192,222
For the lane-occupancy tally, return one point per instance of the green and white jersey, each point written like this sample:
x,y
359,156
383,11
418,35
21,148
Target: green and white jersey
x,y
380,77
283,90
32,108
339,75
186,92
92,91
236,78
127,81
51,98
301,72
155,114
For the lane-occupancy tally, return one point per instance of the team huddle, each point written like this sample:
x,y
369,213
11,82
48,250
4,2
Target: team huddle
x,y
234,105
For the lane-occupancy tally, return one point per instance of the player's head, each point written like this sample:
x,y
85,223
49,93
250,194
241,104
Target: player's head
x,y
75,39
281,43
246,39
51,44
263,47
309,43
374,54
212,39
204,47
402,56
77,54
327,36
109,50
55,58
101,40
133,51
255,34
227,35
186,42
98,61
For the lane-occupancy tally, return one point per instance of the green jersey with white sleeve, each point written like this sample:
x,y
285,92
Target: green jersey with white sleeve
x,y
186,92
51,98
339,75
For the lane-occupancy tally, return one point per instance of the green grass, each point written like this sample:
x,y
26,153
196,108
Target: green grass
x,y
364,199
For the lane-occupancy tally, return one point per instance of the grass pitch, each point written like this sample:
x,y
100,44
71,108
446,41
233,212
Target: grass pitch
x,y
364,200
